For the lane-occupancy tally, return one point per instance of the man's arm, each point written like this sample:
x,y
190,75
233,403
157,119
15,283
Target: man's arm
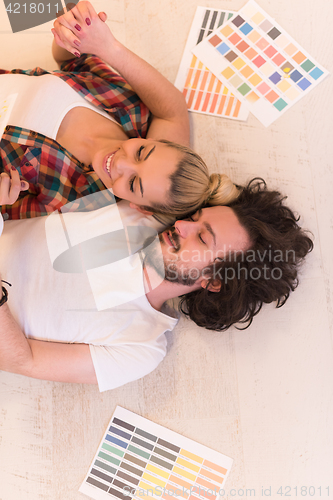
x,y
43,360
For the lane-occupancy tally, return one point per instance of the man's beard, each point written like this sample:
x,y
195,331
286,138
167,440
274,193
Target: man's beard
x,y
168,268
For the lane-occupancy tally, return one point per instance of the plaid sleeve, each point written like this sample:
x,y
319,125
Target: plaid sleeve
x,y
103,87
100,85
32,72
25,207
28,205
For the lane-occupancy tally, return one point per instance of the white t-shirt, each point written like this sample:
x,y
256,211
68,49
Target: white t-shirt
x,y
126,340
39,103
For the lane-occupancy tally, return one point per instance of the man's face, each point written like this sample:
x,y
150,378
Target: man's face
x,y
191,245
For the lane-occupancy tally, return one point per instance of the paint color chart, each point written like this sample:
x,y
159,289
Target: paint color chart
x,y
262,64
138,458
203,92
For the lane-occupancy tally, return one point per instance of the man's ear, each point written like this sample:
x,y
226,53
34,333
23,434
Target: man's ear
x,y
140,209
213,286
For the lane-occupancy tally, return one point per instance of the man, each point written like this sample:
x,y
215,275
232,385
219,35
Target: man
x,y
224,262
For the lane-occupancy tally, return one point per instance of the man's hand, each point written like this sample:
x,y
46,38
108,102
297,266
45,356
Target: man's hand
x,y
82,30
11,186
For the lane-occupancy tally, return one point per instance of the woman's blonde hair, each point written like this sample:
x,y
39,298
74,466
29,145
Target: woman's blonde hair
x,y
193,187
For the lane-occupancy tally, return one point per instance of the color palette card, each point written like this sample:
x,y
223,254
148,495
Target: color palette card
x,y
140,459
203,92
265,67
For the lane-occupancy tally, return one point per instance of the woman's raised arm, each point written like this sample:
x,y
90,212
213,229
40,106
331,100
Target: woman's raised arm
x,y
82,30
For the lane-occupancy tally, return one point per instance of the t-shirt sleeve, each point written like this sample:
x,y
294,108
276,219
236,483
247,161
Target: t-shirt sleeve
x,y
119,364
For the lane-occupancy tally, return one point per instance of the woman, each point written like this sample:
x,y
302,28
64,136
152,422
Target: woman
x,y
105,139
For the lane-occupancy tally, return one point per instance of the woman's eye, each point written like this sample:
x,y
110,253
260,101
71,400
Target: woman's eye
x,y
139,151
131,182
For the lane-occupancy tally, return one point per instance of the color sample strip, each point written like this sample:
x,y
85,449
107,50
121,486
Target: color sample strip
x,y
203,92
138,458
260,62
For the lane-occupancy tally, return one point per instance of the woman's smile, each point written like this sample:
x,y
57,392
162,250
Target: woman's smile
x,y
108,162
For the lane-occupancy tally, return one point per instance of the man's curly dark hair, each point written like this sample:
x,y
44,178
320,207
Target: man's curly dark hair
x,y
265,273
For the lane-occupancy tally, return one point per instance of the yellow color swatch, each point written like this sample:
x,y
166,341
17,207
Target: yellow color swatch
x,y
239,63
228,72
255,79
191,456
147,487
226,31
153,479
194,60
258,18
187,464
284,85
184,473
157,471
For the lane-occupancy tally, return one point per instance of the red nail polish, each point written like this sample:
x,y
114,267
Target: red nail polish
x,y
88,21
12,167
76,54
78,27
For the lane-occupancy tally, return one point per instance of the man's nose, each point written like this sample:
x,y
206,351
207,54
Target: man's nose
x,y
185,228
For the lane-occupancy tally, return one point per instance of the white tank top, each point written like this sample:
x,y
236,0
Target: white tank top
x,y
38,103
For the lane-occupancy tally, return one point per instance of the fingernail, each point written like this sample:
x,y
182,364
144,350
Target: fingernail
x,y
77,43
23,185
88,21
13,168
76,54
78,27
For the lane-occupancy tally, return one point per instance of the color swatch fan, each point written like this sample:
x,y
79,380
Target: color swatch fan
x,y
260,62
204,93
140,459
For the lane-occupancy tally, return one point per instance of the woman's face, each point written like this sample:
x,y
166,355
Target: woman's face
x,y
137,170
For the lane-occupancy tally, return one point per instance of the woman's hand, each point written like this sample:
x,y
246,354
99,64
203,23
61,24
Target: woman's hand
x,y
82,31
11,186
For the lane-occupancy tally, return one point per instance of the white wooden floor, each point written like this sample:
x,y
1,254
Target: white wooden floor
x,y
263,396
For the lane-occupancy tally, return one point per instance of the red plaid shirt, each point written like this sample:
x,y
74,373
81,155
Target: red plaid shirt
x,y
55,176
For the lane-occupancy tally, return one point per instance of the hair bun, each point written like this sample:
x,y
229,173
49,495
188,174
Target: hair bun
x,y
222,190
